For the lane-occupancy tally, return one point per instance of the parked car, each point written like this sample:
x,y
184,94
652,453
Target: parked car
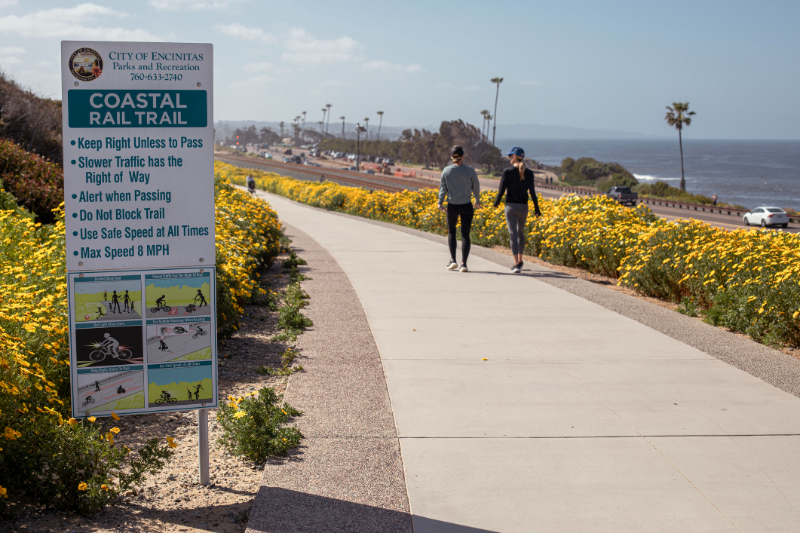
x,y
623,195
369,171
287,159
766,216
389,162
297,160
353,168
267,155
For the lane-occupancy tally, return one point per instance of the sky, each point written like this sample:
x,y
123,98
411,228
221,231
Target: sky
x,y
585,64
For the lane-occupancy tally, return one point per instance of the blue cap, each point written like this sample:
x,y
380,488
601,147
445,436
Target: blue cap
x,y
517,151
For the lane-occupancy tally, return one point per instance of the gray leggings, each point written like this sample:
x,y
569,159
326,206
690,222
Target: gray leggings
x,y
516,216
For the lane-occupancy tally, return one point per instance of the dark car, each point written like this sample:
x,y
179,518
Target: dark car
x,y
623,195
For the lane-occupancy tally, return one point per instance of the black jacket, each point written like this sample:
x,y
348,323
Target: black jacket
x,y
515,189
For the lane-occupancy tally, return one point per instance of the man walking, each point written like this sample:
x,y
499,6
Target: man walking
x,y
459,184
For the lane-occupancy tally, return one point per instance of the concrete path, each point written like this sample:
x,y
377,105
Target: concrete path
x,y
579,419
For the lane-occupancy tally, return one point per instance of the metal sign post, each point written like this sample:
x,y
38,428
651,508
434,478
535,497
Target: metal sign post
x,y
139,202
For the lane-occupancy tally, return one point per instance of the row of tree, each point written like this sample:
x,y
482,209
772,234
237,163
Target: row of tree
x,y
429,148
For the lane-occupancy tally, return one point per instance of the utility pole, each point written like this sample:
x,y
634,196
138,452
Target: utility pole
x,y
321,128
498,81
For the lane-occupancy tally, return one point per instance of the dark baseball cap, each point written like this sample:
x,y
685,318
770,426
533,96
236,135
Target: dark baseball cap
x,y
457,151
517,151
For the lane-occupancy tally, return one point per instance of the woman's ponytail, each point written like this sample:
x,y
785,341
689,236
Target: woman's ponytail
x,y
521,167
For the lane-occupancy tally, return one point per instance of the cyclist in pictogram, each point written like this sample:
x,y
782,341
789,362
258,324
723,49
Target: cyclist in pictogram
x,y
115,303
120,390
201,299
161,302
163,345
111,343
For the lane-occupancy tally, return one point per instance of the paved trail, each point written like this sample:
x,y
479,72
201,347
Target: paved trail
x,y
579,419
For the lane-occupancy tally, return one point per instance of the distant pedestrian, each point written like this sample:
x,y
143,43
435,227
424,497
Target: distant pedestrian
x,y
459,184
516,183
714,200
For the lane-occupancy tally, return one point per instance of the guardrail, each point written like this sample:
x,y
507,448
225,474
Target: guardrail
x,y
711,209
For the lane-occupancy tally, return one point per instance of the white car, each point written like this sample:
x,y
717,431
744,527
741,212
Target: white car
x,y
766,216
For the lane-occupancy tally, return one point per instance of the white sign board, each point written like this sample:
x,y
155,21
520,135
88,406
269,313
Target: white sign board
x,y
138,154
142,341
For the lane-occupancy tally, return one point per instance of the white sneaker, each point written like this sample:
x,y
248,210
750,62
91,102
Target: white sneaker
x,y
515,269
463,268
452,265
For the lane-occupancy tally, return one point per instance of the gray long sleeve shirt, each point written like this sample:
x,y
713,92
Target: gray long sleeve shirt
x,y
459,183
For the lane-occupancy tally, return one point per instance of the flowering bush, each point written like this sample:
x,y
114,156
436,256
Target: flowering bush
x,y
42,451
746,280
254,425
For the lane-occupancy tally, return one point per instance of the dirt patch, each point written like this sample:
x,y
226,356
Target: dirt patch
x,y
173,500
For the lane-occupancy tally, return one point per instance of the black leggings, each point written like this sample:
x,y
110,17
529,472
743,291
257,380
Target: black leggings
x,y
466,212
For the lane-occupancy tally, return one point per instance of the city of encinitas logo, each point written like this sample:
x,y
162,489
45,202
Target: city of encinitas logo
x,y
86,64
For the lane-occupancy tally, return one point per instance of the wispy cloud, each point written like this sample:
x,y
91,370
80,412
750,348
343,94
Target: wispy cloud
x,y
6,3
256,67
72,22
530,83
304,48
11,50
195,5
243,32
470,88
391,68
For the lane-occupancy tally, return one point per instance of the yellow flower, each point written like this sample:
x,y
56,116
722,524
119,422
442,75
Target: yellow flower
x,y
795,314
104,486
115,416
91,419
72,421
3,492
239,414
114,430
171,442
11,434
83,486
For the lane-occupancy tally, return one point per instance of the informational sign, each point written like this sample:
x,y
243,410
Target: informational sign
x,y
138,154
143,341
139,200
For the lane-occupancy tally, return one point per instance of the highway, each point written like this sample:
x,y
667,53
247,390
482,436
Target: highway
x,y
395,184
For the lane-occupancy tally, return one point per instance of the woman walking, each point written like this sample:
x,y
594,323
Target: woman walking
x,y
515,184
459,184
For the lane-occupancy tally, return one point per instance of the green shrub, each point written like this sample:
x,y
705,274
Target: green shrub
x,y
37,185
72,466
255,426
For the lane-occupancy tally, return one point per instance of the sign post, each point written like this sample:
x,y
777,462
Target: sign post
x,y
139,202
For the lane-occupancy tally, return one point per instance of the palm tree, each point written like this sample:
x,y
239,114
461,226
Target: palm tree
x,y
366,120
484,113
679,116
498,81
489,118
281,126
343,134
380,114
329,117
304,123
324,110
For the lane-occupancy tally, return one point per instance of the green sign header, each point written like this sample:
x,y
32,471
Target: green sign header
x,y
138,109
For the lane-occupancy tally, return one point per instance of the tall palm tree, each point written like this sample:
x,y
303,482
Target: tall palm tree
x,y
484,113
324,110
304,123
489,118
679,116
329,117
343,134
366,120
498,81
380,114
281,126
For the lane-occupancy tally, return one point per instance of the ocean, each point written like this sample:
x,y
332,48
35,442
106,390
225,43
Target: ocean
x,y
750,173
